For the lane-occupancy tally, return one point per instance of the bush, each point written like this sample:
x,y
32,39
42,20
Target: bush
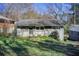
x,y
54,35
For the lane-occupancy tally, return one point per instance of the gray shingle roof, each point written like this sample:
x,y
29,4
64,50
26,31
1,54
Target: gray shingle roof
x,y
39,22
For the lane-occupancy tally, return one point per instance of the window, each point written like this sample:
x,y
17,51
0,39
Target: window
x,y
12,22
48,27
2,20
37,28
42,28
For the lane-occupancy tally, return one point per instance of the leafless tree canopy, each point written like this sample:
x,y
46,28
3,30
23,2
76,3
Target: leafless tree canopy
x,y
15,10
18,11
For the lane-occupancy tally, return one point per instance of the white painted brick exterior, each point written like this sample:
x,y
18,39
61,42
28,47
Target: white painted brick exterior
x,y
25,32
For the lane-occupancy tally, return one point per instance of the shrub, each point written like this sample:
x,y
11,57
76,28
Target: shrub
x,y
54,35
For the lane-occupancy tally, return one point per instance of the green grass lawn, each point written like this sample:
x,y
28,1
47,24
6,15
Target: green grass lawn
x,y
36,46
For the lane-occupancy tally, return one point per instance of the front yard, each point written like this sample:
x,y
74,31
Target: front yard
x,y
37,46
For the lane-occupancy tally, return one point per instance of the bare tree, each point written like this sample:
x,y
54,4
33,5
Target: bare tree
x,y
31,14
15,10
56,11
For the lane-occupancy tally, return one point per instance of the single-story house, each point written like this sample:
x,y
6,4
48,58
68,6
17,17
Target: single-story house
x,y
6,25
42,27
74,32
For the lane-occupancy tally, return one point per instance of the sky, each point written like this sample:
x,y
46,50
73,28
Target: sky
x,y
41,7
2,7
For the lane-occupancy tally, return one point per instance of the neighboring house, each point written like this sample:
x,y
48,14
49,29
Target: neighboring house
x,y
74,32
6,25
42,27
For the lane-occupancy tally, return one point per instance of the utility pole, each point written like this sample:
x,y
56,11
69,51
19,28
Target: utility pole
x,y
74,14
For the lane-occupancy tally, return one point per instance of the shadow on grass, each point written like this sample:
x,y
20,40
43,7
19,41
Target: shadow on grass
x,y
18,50
21,49
55,46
